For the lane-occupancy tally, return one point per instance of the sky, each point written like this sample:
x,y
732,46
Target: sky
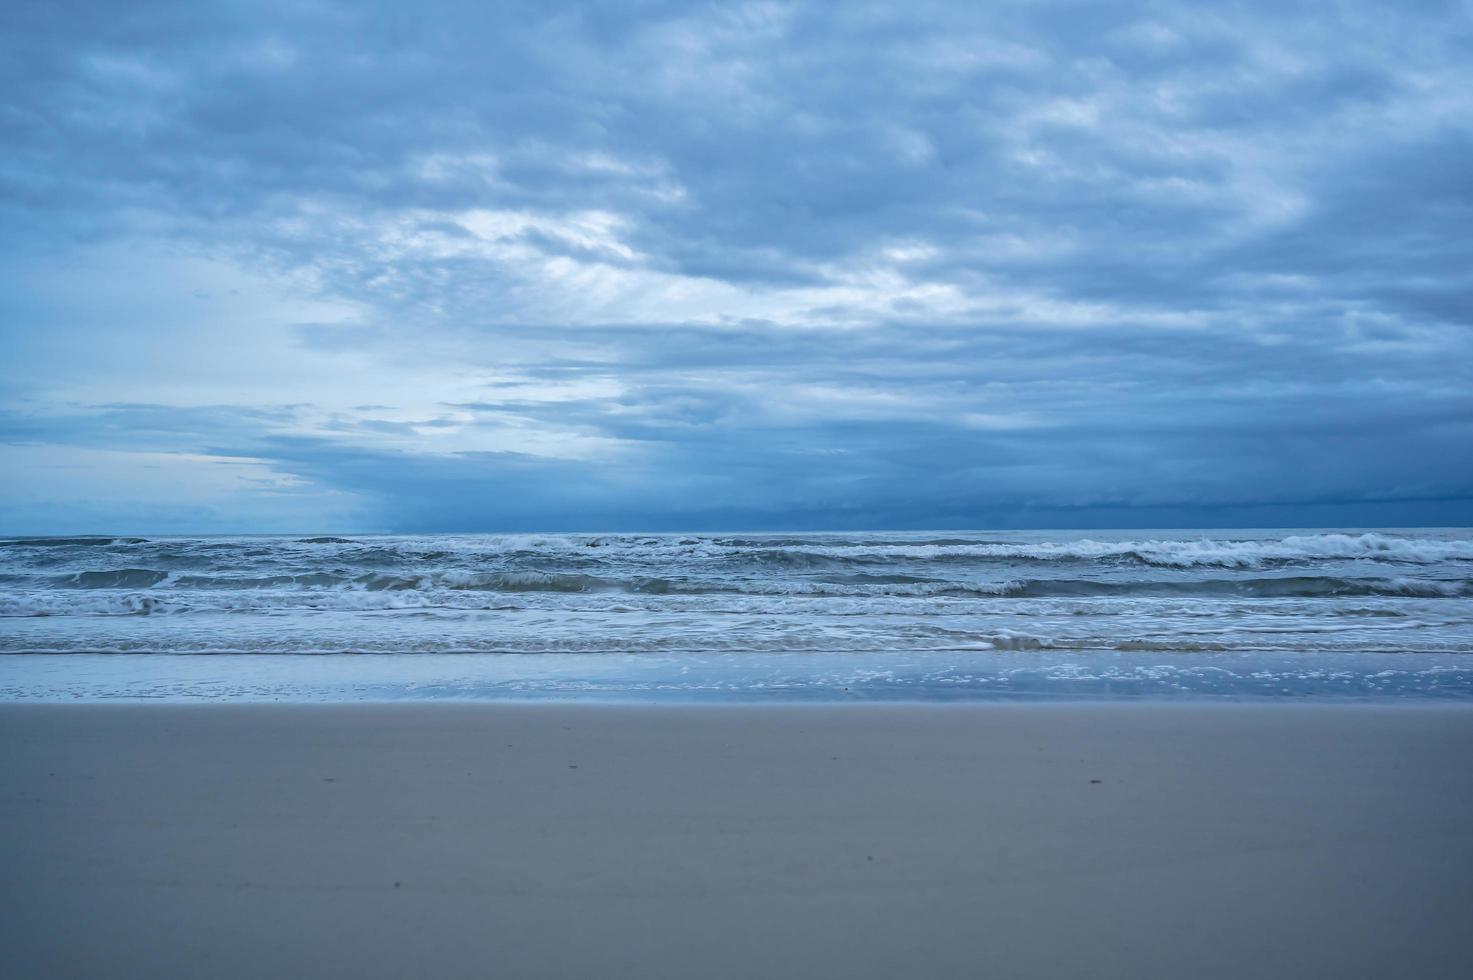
x,y
477,266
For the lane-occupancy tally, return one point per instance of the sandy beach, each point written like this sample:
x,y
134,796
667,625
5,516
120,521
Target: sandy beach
x,y
1061,840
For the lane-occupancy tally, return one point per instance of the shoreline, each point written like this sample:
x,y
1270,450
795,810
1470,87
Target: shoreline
x,y
1057,838
913,677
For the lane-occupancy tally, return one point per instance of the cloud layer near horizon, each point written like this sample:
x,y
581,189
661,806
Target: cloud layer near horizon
x,y
470,266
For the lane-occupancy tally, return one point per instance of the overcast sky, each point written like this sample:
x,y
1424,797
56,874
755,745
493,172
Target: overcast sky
x,y
481,266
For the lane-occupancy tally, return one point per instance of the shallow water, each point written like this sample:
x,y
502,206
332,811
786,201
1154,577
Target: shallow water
x,y
944,615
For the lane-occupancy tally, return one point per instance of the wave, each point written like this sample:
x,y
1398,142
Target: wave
x,y
961,648
799,552
1159,553
115,604
1299,586
74,542
159,582
119,578
819,551
859,574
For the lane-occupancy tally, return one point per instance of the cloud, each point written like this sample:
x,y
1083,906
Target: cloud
x,y
767,263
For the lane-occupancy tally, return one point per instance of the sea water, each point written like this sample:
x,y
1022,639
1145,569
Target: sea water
x,y
828,616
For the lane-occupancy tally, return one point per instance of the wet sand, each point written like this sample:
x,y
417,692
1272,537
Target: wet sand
x,y
450,840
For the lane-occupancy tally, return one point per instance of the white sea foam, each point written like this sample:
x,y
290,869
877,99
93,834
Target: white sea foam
x,y
1180,553
884,595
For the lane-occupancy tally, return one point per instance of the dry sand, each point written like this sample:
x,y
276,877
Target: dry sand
x,y
444,840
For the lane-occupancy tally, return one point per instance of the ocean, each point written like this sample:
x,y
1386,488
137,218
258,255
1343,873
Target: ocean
x,y
1383,613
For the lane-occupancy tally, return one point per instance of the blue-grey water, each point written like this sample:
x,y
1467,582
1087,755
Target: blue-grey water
x,y
925,615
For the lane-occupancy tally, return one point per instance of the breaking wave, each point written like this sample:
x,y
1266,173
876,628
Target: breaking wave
x,y
73,542
1152,552
815,551
205,591
886,594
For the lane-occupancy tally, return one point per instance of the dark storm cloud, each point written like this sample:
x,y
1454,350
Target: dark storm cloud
x,y
767,263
